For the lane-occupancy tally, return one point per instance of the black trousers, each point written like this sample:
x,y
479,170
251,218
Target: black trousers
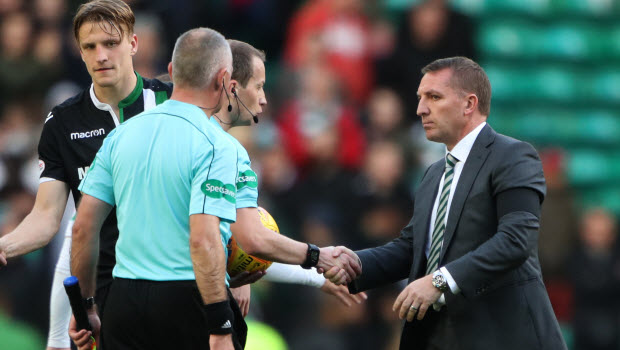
x,y
167,315
434,332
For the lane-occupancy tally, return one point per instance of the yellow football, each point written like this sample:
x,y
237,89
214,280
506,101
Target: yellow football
x,y
238,260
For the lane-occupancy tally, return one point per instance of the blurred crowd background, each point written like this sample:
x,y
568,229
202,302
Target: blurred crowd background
x,y
339,149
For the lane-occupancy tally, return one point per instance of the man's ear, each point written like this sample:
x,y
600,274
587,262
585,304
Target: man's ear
x,y
133,41
170,71
234,87
219,79
471,103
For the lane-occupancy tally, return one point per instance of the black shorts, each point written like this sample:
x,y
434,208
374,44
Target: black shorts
x,y
101,296
152,315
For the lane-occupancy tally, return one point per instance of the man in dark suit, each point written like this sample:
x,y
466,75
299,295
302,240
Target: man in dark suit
x,y
470,250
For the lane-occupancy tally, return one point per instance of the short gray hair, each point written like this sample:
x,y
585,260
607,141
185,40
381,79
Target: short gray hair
x,y
197,57
468,77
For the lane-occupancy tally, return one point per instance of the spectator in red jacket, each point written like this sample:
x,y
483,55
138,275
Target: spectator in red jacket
x,y
342,33
318,117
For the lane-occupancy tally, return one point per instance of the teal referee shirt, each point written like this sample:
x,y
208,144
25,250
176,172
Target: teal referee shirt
x,y
246,182
159,168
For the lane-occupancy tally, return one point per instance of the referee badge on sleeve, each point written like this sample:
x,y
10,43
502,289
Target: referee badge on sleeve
x,y
247,178
217,189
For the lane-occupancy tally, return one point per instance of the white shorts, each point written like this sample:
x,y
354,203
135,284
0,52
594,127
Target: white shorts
x,y
60,309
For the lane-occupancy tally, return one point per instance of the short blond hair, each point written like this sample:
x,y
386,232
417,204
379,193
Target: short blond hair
x,y
116,13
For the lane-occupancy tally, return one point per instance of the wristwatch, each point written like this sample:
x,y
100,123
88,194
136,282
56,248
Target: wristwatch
x,y
439,281
312,256
89,302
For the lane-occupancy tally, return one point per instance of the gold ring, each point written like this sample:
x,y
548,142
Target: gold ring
x,y
413,308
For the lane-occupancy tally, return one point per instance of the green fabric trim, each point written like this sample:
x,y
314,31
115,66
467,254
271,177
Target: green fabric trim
x,y
160,97
133,96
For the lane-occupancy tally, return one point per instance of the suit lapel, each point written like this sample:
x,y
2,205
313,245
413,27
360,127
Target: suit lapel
x,y
424,199
477,156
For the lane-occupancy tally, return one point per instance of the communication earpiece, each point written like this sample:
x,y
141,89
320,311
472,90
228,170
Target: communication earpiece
x,y
228,97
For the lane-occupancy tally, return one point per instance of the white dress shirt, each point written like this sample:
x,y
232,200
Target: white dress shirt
x,y
460,152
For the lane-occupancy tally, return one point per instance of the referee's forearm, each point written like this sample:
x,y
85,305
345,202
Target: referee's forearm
x,y
85,246
208,258
84,255
277,247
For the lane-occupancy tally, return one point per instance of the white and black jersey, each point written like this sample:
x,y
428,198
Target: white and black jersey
x,y
72,135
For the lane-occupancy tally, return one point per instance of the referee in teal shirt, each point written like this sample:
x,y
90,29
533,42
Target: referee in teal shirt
x,y
171,173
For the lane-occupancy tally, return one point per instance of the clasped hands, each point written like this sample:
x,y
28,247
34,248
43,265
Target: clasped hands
x,y
413,302
339,264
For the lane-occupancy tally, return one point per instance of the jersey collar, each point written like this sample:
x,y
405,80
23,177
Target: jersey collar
x,y
127,101
133,96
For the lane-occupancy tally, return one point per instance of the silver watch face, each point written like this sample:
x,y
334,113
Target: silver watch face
x,y
440,282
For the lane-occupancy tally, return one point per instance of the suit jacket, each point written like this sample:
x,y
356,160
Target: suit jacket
x,y
503,303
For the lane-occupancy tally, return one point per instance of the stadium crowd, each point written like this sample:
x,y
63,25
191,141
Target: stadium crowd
x,y
338,152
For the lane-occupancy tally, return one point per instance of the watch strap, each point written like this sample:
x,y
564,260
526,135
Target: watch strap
x,y
89,302
312,256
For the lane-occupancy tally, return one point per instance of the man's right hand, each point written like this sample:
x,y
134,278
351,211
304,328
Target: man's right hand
x,y
220,342
342,262
245,277
342,293
338,275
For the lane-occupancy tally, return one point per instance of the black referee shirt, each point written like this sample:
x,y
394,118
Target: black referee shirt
x,y
72,135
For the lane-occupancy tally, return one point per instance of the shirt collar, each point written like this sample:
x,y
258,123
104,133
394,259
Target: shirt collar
x,y
462,149
188,110
131,98
180,107
100,105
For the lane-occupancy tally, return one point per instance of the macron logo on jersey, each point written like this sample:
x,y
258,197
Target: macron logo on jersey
x,y
87,134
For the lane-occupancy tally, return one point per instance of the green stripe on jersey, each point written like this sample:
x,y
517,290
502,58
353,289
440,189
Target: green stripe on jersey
x,y
160,97
133,96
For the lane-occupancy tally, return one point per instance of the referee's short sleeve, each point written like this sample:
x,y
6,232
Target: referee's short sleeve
x,y
98,181
213,189
247,196
247,181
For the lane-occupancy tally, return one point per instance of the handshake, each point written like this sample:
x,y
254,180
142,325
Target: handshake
x,y
339,264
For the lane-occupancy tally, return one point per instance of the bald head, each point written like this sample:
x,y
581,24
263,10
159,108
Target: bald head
x,y
199,54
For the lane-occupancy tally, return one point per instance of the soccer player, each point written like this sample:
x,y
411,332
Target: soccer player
x,y
72,135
